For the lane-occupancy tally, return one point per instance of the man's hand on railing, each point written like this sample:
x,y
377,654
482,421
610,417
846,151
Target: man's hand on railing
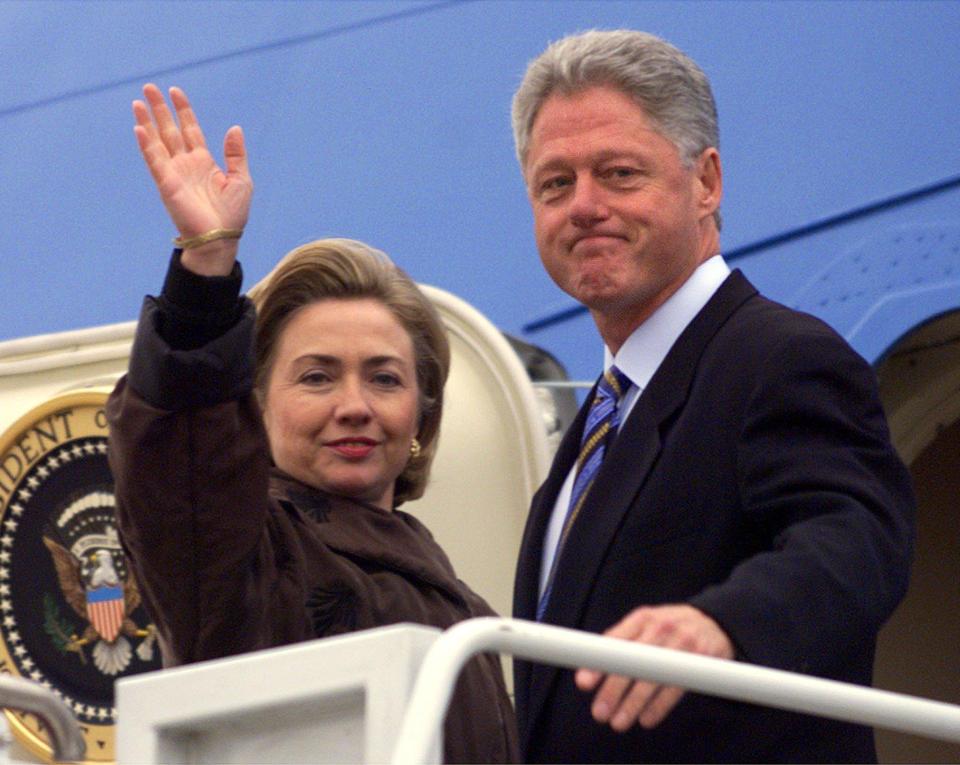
x,y
622,701
420,736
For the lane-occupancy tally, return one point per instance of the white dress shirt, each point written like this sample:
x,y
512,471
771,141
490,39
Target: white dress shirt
x,y
638,359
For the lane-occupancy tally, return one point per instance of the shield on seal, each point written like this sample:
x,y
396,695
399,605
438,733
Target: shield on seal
x,y
105,611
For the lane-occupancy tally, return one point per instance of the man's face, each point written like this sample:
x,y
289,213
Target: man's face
x,y
620,222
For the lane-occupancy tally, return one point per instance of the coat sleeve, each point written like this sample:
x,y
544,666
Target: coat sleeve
x,y
821,484
190,463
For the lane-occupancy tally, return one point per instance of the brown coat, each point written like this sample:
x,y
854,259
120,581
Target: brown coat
x,y
233,555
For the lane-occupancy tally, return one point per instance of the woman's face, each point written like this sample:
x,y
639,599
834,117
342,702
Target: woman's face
x,y
341,404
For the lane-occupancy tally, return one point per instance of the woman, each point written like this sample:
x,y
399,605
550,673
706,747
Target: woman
x,y
260,454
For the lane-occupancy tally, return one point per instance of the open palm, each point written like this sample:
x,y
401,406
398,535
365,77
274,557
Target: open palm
x,y
198,194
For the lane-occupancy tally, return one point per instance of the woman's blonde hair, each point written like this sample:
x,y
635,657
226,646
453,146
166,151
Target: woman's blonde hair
x,y
348,269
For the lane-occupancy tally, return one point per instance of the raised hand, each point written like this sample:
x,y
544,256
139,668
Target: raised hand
x,y
197,193
622,701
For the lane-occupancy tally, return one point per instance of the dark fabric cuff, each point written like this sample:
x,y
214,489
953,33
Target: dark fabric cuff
x,y
194,310
175,378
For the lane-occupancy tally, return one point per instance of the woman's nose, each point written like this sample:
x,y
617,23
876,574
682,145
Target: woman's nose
x,y
352,404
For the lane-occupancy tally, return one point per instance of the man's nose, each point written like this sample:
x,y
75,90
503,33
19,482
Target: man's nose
x,y
587,205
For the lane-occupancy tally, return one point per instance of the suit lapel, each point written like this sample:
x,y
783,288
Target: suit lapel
x,y
621,475
625,468
527,582
526,587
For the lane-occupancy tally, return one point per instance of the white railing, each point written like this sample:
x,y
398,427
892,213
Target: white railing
x,y
41,353
66,740
420,734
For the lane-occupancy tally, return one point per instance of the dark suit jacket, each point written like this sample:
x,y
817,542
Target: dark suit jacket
x,y
755,480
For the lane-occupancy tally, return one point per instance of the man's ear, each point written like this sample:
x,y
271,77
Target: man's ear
x,y
709,176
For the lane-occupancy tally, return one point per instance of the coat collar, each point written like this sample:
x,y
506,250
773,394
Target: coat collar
x,y
392,539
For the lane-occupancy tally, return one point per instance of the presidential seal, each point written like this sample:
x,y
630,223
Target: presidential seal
x,y
70,613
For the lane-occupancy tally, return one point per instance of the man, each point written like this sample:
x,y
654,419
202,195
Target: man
x,y
737,494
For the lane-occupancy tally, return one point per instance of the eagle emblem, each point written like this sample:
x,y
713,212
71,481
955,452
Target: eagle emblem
x,y
71,616
96,584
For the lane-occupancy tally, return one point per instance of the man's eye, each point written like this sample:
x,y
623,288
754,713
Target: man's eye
x,y
554,186
621,173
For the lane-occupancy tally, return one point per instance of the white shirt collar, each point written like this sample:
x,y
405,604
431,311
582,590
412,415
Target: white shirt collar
x,y
645,349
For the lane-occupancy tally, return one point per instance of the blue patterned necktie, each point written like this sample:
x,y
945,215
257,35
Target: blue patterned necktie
x,y
603,419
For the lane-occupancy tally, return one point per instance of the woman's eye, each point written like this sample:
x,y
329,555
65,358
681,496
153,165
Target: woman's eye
x,y
314,378
386,380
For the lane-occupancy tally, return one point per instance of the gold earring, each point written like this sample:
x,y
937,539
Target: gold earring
x,y
414,448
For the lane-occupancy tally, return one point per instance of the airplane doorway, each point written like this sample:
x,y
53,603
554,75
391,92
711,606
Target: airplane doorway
x,y
919,649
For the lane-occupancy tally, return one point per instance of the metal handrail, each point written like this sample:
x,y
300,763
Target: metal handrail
x,y
26,696
419,738
565,384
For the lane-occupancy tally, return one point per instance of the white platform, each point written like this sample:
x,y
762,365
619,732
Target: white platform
x,y
338,700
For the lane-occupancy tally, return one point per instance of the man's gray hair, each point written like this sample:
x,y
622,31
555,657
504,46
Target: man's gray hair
x,y
667,84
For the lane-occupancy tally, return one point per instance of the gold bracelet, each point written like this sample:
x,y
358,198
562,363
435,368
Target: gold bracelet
x,y
208,236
